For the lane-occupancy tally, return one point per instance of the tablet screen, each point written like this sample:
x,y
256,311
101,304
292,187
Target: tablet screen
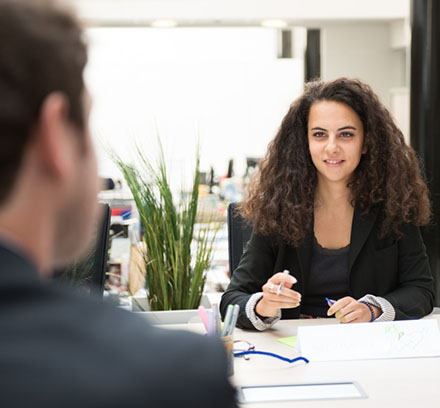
x,y
300,392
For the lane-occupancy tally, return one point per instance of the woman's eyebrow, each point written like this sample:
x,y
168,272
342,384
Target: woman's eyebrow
x,y
347,127
342,128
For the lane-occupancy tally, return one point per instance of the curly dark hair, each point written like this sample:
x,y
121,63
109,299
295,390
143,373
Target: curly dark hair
x,y
280,197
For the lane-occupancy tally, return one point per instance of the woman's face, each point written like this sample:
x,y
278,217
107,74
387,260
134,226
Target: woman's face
x,y
336,137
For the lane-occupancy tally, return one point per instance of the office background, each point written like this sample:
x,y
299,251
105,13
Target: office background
x,y
224,73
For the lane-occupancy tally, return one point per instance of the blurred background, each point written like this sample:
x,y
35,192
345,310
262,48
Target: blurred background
x,y
224,72
221,74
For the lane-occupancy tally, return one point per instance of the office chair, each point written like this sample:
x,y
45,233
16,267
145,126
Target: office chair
x,y
97,278
89,272
239,233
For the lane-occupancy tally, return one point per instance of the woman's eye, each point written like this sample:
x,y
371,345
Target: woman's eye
x,y
346,134
319,134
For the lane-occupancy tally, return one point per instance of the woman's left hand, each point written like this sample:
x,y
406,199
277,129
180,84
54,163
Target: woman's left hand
x,y
349,310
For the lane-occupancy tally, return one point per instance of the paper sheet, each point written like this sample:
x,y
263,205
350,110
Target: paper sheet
x,y
363,341
288,341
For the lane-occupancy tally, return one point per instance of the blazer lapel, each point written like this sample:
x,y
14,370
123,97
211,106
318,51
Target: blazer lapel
x,y
360,230
304,251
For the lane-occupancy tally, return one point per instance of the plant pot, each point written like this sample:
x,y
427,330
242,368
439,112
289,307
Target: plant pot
x,y
140,306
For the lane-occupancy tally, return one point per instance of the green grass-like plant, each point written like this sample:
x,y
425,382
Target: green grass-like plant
x,y
175,277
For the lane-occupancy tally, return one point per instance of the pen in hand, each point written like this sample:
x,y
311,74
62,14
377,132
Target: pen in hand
x,y
281,285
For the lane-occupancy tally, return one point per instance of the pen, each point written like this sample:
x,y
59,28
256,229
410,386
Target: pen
x,y
227,321
216,316
211,328
281,285
233,320
330,301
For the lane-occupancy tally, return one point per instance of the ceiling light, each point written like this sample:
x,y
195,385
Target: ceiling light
x,y
164,23
274,23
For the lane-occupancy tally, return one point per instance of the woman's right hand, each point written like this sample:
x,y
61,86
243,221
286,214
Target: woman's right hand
x,y
273,299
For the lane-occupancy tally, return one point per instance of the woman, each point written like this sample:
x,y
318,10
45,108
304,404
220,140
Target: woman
x,y
337,202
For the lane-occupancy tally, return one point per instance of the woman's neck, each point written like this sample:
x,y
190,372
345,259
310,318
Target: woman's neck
x,y
332,195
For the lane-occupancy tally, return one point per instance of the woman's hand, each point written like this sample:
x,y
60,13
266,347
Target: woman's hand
x,y
274,299
349,310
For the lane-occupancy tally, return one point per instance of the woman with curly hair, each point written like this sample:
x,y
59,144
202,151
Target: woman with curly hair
x,y
337,202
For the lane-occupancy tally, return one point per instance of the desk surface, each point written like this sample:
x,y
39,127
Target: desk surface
x,y
411,382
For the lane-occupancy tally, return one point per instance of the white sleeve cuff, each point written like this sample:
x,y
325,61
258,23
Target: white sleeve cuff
x,y
259,324
388,312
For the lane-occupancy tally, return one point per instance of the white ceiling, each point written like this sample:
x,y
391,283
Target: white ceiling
x,y
238,12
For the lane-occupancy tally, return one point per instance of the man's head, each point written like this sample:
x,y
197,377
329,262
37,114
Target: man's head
x,y
46,154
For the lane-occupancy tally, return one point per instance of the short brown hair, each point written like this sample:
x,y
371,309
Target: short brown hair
x,y
281,196
41,51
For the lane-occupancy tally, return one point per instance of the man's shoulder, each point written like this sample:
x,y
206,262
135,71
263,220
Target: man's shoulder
x,y
90,313
91,344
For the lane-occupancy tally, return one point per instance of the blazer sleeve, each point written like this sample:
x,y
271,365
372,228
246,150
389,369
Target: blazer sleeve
x,y
414,296
255,268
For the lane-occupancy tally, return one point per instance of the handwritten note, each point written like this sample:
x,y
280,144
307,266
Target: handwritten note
x,y
363,341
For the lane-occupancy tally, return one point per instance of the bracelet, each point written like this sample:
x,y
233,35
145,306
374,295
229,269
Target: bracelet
x,y
371,310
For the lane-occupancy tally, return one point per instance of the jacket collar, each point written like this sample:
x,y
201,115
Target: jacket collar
x,y
15,266
304,251
360,231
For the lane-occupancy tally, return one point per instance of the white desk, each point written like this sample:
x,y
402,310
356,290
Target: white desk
x,y
389,383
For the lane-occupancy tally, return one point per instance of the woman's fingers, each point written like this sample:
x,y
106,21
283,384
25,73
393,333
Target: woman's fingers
x,y
287,298
280,284
272,291
277,293
338,305
288,280
345,310
283,304
349,310
349,317
290,298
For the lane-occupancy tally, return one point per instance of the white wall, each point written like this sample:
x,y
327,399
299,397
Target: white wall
x,y
364,51
238,12
223,86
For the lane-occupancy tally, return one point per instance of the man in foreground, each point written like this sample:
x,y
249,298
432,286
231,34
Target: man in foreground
x,y
57,348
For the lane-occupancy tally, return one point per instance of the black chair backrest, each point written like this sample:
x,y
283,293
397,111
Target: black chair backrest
x,y
101,251
88,272
239,233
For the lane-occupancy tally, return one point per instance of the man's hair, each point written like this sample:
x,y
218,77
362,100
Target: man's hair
x,y
41,51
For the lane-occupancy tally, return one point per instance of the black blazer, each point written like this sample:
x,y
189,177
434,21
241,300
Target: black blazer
x,y
397,270
61,349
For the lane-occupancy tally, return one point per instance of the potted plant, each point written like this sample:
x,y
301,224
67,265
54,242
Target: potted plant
x,y
176,255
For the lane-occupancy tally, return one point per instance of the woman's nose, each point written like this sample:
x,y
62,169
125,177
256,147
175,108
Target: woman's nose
x,y
332,145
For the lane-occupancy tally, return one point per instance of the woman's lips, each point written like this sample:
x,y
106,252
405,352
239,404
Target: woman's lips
x,y
333,162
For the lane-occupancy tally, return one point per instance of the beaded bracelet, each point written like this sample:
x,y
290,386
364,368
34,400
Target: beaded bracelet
x,y
371,310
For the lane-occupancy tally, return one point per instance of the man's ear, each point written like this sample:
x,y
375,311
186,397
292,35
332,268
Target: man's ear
x,y
52,135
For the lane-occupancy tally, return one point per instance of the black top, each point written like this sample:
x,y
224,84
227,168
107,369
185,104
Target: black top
x,y
61,349
395,269
328,278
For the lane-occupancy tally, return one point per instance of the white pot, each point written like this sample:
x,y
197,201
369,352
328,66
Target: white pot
x,y
168,316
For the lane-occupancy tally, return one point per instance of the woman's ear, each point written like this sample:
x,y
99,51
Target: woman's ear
x,y
364,146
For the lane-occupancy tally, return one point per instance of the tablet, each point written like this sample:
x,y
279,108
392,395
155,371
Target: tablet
x,y
300,392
